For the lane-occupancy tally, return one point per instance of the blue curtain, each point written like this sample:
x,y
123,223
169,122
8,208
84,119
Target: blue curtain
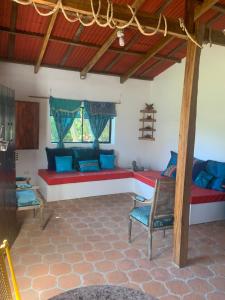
x,y
64,112
99,113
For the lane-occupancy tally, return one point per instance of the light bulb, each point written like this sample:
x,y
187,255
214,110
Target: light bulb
x,y
121,42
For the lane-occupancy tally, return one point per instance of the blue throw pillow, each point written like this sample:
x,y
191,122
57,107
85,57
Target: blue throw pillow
x,y
53,152
203,179
89,165
107,161
216,168
217,184
171,168
83,154
63,163
198,166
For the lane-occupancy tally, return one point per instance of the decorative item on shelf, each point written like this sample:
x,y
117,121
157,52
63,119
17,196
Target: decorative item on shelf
x,y
148,116
149,106
135,166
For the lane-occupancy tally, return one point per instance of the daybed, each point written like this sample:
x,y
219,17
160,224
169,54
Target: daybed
x,y
205,205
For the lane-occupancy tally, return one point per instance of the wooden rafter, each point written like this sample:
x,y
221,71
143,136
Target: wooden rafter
x,y
45,42
157,63
219,7
121,14
71,47
137,4
199,11
137,36
72,69
11,46
73,42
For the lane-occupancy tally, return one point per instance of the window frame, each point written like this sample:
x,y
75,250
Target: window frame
x,y
82,131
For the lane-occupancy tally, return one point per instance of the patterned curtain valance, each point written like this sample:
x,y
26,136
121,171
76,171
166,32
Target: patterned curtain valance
x,y
64,107
94,108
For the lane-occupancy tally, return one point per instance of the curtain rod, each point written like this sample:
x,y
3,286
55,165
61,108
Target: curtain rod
x,y
46,98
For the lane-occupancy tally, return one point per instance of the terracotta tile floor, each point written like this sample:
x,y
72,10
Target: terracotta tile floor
x,y
85,243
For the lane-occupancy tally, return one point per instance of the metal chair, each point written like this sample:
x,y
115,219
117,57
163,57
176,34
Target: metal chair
x,y
5,290
28,197
156,213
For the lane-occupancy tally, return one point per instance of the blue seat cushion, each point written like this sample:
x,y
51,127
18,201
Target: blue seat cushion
x,y
26,198
141,214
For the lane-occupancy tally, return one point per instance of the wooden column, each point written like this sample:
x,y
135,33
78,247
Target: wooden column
x,y
185,154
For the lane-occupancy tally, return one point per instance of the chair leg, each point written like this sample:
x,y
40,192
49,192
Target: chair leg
x,y
129,230
42,216
150,245
164,233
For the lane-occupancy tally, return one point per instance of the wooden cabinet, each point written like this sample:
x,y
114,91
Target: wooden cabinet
x,y
27,125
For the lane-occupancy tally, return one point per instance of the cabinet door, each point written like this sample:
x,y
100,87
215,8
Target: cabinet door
x,y
27,125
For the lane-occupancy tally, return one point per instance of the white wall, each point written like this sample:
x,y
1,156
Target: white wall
x,y
67,84
166,92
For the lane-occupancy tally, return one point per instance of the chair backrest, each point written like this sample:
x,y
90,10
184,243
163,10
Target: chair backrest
x,y
163,203
5,290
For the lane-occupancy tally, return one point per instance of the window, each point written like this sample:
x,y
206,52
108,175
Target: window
x,y
80,131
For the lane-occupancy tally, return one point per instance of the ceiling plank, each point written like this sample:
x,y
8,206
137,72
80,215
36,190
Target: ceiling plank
x,y
199,11
83,74
121,14
46,40
11,45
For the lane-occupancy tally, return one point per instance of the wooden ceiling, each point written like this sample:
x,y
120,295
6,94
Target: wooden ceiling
x,y
26,37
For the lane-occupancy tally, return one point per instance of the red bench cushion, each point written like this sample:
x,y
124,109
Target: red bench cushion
x,y
53,178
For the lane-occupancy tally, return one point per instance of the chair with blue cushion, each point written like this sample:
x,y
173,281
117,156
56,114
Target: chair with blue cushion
x,y
156,213
28,197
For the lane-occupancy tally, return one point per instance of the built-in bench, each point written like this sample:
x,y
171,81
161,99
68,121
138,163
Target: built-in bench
x,y
205,204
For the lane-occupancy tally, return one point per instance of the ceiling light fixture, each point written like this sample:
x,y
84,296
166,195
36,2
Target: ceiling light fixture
x,y
120,35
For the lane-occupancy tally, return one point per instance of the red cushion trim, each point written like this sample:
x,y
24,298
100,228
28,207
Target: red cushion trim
x,y
53,178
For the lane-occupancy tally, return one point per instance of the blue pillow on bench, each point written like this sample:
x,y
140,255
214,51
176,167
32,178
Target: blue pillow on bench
x,y
89,165
53,152
64,163
107,161
83,154
203,179
171,169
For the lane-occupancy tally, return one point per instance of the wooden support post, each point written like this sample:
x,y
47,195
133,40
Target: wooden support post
x,y
185,154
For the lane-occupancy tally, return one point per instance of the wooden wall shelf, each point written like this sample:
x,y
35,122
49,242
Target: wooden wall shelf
x,y
148,120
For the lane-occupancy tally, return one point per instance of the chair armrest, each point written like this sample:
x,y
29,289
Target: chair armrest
x,y
141,199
